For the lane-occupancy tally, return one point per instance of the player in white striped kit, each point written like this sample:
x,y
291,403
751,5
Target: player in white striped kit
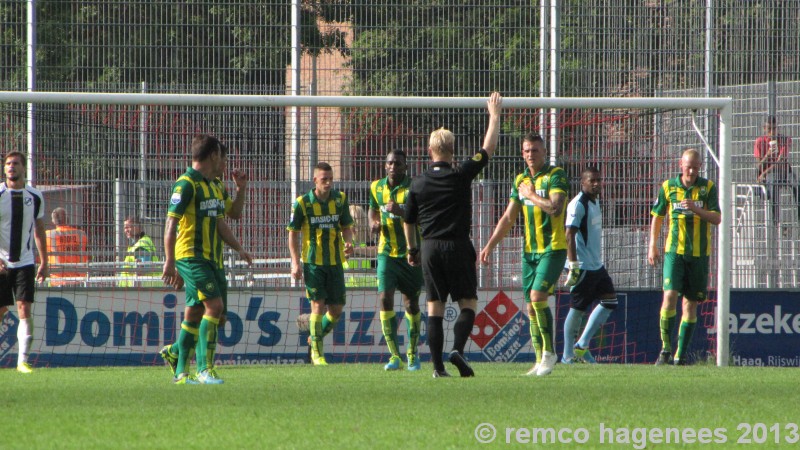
x,y
21,222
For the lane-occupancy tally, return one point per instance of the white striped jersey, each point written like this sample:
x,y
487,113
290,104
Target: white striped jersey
x,y
19,209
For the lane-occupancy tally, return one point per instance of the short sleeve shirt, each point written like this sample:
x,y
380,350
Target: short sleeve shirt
x,y
197,203
321,223
585,216
688,234
392,240
440,200
19,210
543,232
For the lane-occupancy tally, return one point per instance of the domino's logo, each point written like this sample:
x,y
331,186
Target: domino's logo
x,y
501,329
8,334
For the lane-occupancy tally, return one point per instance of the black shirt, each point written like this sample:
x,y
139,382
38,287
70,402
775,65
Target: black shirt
x,y
440,200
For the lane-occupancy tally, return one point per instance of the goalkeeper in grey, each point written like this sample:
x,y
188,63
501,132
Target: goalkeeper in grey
x,y
587,279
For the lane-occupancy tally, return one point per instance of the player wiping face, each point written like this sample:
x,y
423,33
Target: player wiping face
x,y
691,163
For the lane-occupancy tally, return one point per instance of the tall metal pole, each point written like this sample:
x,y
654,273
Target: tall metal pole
x,y
555,62
724,250
544,49
119,238
142,210
31,86
295,111
313,151
711,126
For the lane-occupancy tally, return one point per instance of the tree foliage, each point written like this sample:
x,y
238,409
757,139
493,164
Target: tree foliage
x,y
226,44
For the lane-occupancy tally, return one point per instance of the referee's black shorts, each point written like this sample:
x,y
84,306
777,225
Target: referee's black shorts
x,y
448,267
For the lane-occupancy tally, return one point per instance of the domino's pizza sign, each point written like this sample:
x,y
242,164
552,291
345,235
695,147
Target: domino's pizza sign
x,y
501,330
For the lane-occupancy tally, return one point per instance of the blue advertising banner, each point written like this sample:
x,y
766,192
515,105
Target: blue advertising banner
x,y
765,329
116,327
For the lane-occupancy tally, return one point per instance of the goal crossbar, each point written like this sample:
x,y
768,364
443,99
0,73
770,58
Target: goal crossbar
x,y
107,98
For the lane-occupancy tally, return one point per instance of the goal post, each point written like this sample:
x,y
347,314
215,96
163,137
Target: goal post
x,y
723,107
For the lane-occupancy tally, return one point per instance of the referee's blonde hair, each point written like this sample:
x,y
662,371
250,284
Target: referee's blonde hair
x,y
442,142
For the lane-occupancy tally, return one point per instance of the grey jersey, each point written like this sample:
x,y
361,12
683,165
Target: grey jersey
x,y
585,215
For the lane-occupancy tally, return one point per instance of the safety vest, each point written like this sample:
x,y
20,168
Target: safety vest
x,y
65,244
142,251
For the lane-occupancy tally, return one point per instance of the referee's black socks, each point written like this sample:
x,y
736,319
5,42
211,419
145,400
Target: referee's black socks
x,y
436,342
462,329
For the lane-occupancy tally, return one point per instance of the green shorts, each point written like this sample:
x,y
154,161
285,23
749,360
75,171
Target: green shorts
x,y
325,283
686,274
203,280
541,271
398,274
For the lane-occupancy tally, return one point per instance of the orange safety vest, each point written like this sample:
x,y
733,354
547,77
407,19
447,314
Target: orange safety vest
x,y
65,244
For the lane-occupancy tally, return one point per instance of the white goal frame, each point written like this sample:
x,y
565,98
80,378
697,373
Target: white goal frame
x,y
722,105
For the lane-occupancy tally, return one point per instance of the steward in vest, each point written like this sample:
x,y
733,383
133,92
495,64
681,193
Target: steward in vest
x,y
142,250
65,245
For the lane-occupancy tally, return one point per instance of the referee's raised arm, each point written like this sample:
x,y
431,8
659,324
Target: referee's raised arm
x,y
494,105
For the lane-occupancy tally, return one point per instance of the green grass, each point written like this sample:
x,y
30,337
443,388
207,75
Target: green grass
x,y
361,406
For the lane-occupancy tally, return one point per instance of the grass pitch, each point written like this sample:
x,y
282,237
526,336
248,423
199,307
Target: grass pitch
x,y
362,406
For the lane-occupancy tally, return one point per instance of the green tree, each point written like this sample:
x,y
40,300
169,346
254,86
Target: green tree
x,y
432,48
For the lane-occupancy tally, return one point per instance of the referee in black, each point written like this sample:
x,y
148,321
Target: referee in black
x,y
440,202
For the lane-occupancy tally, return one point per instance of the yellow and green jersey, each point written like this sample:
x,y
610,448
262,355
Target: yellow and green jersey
x,y
688,234
197,203
392,241
543,232
321,224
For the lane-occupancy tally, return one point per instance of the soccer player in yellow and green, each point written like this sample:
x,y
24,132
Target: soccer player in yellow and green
x,y
322,219
386,209
233,210
692,204
193,238
540,192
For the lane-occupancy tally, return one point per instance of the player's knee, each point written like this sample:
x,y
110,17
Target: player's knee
x,y
386,302
335,311
609,303
412,308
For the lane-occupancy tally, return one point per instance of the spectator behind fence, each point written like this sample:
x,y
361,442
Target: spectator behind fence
x,y
773,167
141,250
65,245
